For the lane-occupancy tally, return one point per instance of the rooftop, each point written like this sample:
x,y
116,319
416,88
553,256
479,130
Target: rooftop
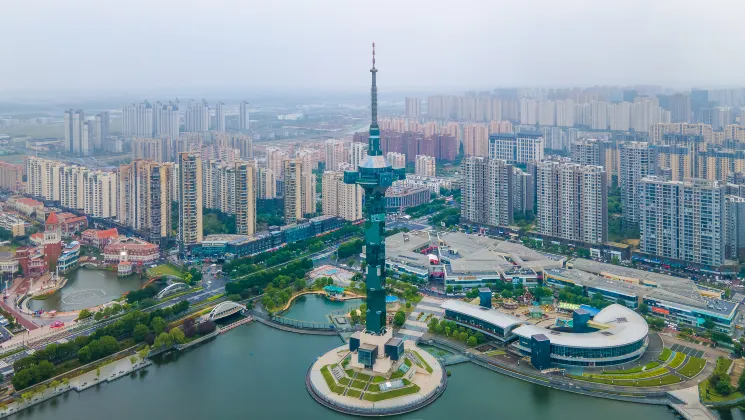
x,y
623,326
400,248
629,281
492,316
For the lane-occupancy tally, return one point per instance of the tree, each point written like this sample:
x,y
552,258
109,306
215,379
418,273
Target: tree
x,y
177,335
140,332
144,352
189,327
399,319
158,324
449,290
471,341
463,336
408,305
163,340
299,284
98,316
480,338
615,260
741,384
644,308
709,323
83,314
98,371
54,384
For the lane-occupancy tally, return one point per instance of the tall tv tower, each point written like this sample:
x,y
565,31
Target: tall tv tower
x,y
375,175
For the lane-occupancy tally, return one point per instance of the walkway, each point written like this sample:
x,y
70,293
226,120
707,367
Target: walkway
x,y
293,329
413,329
692,409
19,317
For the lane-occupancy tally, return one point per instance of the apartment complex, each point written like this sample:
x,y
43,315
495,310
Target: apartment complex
x,y
522,147
572,201
636,162
144,192
413,107
11,176
487,191
357,153
266,184
425,166
155,149
683,220
190,198
397,160
299,189
334,153
340,199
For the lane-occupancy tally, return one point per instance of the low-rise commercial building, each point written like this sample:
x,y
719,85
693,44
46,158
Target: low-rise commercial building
x,y
130,249
398,199
495,324
13,224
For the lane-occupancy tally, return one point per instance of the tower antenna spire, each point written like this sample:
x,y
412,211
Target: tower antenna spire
x,y
374,142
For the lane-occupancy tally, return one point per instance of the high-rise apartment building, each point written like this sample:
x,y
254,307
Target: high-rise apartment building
x,y
275,161
137,120
397,160
487,191
334,153
598,153
476,140
73,126
220,116
657,131
425,166
157,150
522,147
636,162
145,192
565,113
528,111
340,199
245,197
734,240
523,192
100,193
292,191
240,142
546,113
572,201
680,108
413,107
683,220
243,116
357,153
266,183
190,198
167,120
11,176
197,116
102,122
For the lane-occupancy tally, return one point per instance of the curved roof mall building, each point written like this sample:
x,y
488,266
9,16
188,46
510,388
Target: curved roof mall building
x,y
615,335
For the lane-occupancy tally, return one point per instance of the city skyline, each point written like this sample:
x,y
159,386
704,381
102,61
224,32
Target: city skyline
x,y
576,43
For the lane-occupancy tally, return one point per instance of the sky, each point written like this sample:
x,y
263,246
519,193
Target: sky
x,y
324,45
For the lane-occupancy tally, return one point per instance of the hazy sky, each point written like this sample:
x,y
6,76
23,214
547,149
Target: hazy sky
x,y
325,44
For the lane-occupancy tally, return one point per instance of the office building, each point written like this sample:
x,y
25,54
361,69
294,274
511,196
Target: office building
x,y
220,116
487,191
683,220
190,198
522,147
636,162
340,199
334,154
425,166
572,201
357,153
413,107
197,116
243,116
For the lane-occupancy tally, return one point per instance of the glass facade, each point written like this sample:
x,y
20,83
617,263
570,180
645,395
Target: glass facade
x,y
559,354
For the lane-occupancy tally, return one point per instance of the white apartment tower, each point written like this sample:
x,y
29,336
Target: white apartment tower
x,y
636,162
425,165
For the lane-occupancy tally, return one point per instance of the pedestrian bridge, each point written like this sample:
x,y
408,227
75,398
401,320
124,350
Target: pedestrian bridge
x,y
171,289
225,309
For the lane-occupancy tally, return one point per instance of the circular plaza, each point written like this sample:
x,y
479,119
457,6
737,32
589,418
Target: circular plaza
x,y
338,382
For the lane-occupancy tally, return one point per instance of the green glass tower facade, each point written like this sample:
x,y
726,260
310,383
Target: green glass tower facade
x,y
375,175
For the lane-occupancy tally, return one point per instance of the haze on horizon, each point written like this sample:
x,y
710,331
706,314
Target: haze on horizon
x,y
120,45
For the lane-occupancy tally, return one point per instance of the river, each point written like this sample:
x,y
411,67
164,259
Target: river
x,y
258,372
86,288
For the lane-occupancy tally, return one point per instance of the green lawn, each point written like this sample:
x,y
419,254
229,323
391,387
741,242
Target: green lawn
x,y
495,353
424,362
648,366
639,375
353,393
712,395
666,352
344,381
666,380
391,394
677,360
693,367
378,379
330,381
165,270
374,388
363,377
358,384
